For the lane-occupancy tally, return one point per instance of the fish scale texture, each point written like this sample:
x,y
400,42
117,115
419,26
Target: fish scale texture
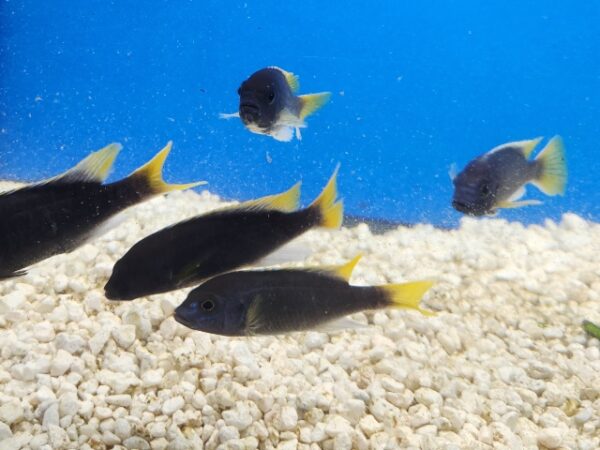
x,y
505,364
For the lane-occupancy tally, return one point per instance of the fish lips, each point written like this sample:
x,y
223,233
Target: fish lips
x,y
249,112
179,317
111,292
468,208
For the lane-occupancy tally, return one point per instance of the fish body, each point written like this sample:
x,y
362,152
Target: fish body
x,y
270,302
201,247
268,104
59,215
497,179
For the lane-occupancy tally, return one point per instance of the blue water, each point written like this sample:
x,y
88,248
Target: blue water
x,y
415,88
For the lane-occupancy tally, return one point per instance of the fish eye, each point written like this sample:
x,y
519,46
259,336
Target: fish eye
x,y
271,96
485,190
207,305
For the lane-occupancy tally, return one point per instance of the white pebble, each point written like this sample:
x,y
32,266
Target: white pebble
x,y
11,412
550,437
288,419
44,332
172,404
124,335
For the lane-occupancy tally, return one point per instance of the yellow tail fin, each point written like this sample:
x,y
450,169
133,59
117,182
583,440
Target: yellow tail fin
x,y
552,177
151,173
287,201
408,295
331,212
311,102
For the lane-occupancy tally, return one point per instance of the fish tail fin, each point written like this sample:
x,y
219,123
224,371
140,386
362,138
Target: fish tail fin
x,y
408,295
287,201
95,168
309,103
331,213
151,174
552,177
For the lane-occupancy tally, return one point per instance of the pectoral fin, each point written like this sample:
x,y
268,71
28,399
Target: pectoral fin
x,y
229,115
518,204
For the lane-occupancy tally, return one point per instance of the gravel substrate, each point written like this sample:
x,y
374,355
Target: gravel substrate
x,y
504,365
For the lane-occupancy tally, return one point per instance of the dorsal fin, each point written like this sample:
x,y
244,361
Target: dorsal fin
x,y
95,168
527,146
343,271
287,201
151,174
292,80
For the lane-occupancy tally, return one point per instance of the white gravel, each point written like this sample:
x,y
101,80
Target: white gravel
x,y
504,365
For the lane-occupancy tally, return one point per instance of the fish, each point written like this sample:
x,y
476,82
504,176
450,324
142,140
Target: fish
x,y
193,250
58,215
269,105
281,301
591,328
497,179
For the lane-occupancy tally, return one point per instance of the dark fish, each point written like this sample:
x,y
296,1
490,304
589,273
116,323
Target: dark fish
x,y
60,214
269,106
190,251
497,179
270,302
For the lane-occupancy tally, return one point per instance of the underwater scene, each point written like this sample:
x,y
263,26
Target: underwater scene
x,y
299,225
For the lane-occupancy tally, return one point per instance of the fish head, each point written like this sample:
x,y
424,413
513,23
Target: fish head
x,y
130,280
475,190
262,98
205,310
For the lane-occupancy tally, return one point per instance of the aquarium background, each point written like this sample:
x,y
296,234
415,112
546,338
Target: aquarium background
x,y
416,86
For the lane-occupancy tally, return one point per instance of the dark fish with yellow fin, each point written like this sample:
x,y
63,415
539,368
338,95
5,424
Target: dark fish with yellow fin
x,y
201,247
269,105
269,302
497,179
60,214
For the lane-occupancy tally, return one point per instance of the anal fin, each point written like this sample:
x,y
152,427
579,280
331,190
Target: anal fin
x,y
338,325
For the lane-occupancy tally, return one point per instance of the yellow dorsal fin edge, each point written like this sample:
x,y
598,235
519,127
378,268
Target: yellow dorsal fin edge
x,y
287,201
152,172
95,167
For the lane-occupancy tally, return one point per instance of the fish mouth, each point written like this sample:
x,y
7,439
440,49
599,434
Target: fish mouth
x,y
183,321
112,293
249,112
467,209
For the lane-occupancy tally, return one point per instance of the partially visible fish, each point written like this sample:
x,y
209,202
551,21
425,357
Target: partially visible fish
x,y
591,328
60,214
269,302
497,179
268,104
198,248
